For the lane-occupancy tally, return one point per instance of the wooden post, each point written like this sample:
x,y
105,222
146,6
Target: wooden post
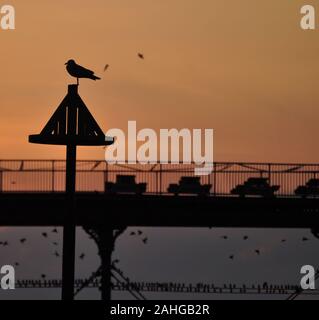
x,y
68,269
69,230
71,125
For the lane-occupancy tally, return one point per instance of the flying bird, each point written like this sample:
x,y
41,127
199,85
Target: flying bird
x,y
245,237
257,251
6,243
145,240
106,67
55,230
231,257
17,264
82,256
305,239
56,254
78,71
44,234
139,232
23,240
283,240
55,243
132,233
140,55
43,276
225,237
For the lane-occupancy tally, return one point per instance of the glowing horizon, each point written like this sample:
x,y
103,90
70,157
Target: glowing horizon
x,y
253,84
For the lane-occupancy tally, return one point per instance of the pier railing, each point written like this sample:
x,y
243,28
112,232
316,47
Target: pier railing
x,y
49,175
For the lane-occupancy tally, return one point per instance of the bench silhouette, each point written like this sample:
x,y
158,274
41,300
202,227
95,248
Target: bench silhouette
x,y
125,184
189,185
255,187
310,189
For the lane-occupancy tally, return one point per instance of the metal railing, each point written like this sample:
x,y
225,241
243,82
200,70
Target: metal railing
x,y
49,175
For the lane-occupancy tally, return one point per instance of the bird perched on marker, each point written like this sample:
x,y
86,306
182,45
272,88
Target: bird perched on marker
x,y
78,71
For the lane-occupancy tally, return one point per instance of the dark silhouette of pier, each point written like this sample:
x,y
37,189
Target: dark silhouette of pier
x,y
106,199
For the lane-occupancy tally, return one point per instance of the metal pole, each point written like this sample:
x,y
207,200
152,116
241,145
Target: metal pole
x,y
70,223
69,227
106,263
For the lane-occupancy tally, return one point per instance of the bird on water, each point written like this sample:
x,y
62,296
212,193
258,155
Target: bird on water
x,y
78,71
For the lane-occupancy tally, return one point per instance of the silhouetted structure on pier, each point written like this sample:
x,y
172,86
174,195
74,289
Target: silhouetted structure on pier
x,y
71,125
159,195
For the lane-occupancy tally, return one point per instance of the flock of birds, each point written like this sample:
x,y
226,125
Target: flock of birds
x,y
258,251
78,72
134,233
45,235
139,233
57,254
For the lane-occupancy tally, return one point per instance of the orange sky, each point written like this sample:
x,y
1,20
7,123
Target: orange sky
x,y
243,68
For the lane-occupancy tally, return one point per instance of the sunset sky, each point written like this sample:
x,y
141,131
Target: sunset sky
x,y
243,68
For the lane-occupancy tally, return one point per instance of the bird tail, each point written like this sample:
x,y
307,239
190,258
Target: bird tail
x,y
95,78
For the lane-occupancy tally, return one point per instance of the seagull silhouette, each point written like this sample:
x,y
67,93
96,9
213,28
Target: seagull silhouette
x,y
55,230
141,56
106,67
257,251
145,240
82,256
225,237
78,71
305,239
44,234
23,240
56,254
245,237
